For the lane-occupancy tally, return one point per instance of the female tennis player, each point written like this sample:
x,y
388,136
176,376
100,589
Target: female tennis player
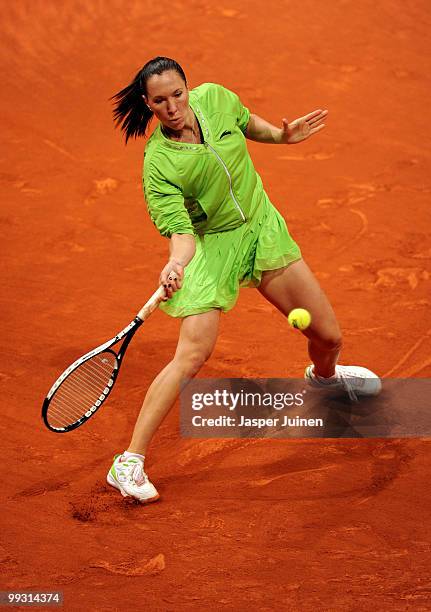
x,y
205,196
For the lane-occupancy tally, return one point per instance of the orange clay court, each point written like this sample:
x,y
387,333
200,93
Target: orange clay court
x,y
243,524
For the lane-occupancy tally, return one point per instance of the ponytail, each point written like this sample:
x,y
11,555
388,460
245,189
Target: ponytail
x,y
130,110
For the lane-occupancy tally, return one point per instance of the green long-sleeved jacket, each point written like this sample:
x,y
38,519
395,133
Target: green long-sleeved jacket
x,y
203,188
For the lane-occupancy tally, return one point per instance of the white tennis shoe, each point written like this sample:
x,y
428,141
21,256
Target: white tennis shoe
x,y
128,476
354,379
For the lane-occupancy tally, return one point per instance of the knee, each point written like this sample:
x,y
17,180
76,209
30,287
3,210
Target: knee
x,y
335,342
330,341
192,361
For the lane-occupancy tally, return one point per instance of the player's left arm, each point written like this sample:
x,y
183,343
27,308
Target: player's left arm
x,y
298,130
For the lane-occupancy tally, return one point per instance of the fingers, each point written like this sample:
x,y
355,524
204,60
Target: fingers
x,y
171,278
168,291
311,119
171,285
317,129
170,288
174,282
314,121
316,115
171,274
316,118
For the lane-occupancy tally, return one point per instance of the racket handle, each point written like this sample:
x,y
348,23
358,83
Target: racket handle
x,y
152,303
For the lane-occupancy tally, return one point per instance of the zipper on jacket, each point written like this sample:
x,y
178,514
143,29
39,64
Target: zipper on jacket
x,y
229,178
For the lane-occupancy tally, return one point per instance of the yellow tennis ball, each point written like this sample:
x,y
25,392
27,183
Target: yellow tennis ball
x,y
299,318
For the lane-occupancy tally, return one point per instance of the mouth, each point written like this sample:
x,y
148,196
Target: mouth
x,y
175,120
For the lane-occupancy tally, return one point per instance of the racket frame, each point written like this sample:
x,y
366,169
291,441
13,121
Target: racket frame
x,y
127,333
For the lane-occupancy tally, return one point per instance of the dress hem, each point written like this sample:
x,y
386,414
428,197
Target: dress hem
x,y
189,309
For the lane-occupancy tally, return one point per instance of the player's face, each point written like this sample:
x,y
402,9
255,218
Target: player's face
x,y
168,98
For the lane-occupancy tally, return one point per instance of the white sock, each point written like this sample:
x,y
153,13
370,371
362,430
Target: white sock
x,y
327,381
126,454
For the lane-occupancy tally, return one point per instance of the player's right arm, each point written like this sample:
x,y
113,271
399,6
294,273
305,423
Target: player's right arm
x,y
165,202
182,248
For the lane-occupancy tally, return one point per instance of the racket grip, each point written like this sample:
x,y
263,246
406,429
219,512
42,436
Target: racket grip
x,y
152,303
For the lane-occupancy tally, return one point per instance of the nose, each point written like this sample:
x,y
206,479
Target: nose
x,y
172,107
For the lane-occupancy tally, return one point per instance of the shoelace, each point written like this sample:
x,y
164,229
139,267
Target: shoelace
x,y
133,471
347,383
138,476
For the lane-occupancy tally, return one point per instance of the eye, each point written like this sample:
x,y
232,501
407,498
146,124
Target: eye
x,y
177,95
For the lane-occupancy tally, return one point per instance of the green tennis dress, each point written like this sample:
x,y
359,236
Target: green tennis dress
x,y
212,191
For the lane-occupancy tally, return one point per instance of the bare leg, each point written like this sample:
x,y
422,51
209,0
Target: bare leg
x,y
197,339
297,287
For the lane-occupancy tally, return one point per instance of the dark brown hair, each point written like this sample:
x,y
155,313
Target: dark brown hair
x,y
130,110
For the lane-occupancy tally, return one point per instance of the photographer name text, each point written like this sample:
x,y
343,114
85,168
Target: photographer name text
x,y
259,422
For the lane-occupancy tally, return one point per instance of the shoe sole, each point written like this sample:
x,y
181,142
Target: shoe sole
x,y
111,481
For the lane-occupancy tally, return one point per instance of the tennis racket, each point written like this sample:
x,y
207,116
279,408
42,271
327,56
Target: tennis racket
x,y
83,387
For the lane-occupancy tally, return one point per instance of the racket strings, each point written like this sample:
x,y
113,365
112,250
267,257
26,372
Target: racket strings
x,y
81,390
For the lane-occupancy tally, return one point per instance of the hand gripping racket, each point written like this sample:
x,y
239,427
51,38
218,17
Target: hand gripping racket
x,y
83,387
